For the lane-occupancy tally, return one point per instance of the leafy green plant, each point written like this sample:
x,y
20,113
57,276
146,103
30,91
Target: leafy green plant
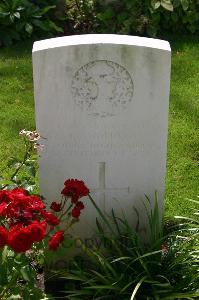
x,y
142,17
81,15
137,17
23,171
29,233
164,267
17,277
21,19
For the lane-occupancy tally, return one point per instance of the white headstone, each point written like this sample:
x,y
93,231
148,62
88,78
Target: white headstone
x,y
102,104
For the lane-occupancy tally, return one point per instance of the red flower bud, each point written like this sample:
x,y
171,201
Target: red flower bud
x,y
75,212
50,218
56,240
55,206
79,205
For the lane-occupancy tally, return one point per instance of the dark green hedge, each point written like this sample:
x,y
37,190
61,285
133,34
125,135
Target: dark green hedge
x,y
22,19
142,17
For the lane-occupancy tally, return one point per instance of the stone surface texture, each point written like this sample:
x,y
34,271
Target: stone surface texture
x,y
102,106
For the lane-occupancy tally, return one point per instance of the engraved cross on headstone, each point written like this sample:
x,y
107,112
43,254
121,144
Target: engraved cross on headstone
x,y
102,190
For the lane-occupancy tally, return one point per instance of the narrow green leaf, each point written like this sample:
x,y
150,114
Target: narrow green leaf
x,y
31,169
4,254
25,274
121,258
137,287
101,276
47,8
101,287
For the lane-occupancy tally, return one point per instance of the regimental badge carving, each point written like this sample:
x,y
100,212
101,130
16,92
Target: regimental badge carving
x,y
102,88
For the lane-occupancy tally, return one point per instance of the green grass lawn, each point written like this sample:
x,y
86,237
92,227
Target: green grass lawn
x,y
17,112
183,142
16,100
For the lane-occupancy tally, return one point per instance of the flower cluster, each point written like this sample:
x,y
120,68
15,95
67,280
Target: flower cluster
x,y
26,221
75,189
32,137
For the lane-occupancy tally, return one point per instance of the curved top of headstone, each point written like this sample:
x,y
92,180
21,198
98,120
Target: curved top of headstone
x,y
101,39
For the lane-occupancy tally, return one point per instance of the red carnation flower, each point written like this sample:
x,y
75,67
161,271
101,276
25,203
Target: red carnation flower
x,y
50,218
23,208
76,212
55,206
37,231
19,192
3,236
19,208
56,240
20,240
3,206
27,216
75,189
44,224
36,203
15,227
6,196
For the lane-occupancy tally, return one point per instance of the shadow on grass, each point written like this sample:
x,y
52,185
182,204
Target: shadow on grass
x,y
179,42
20,49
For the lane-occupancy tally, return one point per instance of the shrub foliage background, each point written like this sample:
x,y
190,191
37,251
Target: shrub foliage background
x,y
149,17
22,19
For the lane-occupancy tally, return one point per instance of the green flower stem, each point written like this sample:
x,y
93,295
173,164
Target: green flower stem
x,y
68,209
26,156
101,214
105,220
